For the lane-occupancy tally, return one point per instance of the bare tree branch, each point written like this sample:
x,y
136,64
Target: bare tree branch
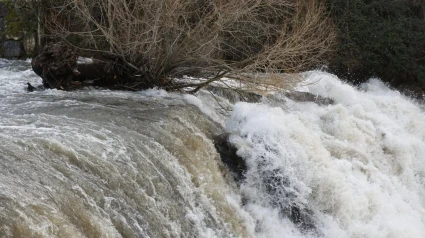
x,y
231,38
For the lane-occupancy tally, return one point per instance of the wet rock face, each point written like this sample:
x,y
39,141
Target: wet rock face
x,y
233,95
308,97
13,49
228,155
278,188
275,184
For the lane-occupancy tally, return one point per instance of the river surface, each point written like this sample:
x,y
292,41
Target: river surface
x,y
98,163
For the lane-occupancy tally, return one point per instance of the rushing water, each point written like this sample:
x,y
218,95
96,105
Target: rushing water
x,y
96,163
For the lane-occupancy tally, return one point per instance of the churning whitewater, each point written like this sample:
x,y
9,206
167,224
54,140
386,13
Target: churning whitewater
x,y
100,163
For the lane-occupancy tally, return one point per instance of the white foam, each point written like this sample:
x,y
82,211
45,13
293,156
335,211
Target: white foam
x,y
358,164
208,107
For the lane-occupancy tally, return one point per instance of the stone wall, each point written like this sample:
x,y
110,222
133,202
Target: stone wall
x,y
18,34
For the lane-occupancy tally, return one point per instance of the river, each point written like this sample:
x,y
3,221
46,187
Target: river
x,y
100,163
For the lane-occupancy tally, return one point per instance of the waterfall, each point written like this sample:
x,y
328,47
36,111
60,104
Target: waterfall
x,y
100,163
97,163
355,167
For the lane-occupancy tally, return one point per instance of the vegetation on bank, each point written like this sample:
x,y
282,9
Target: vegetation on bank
x,y
152,42
380,38
19,19
156,41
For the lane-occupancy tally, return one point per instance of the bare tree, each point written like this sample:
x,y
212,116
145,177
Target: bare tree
x,y
160,39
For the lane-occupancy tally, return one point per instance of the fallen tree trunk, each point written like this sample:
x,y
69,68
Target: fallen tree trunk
x,y
62,68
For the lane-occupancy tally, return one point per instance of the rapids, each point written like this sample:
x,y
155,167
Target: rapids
x,y
108,164
100,163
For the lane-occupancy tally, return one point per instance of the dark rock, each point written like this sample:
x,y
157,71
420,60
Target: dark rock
x,y
281,197
275,183
308,97
229,157
234,95
31,88
13,49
